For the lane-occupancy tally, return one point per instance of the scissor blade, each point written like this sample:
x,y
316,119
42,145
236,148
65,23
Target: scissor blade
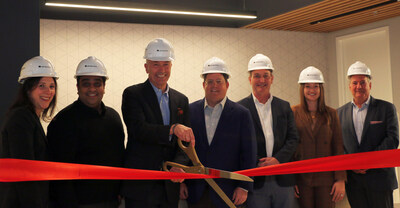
x,y
227,174
220,193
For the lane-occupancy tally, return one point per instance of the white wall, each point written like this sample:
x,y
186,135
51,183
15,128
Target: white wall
x,y
372,48
121,46
394,43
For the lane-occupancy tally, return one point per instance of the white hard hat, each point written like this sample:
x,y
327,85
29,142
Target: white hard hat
x,y
37,67
215,65
358,68
159,49
311,75
91,66
260,61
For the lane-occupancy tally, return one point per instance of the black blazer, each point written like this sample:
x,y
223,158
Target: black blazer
x,y
22,137
380,132
285,136
149,142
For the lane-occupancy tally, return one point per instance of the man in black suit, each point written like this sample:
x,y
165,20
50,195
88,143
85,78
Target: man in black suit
x,y
276,136
155,116
368,124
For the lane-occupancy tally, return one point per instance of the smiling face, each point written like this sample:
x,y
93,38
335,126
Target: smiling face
x,y
91,90
159,72
261,81
312,92
360,87
215,88
42,95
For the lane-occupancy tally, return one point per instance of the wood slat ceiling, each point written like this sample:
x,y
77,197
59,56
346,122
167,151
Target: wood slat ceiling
x,y
301,19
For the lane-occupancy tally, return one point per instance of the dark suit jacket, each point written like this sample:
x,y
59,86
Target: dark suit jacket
x,y
233,148
380,132
322,141
285,136
148,138
22,137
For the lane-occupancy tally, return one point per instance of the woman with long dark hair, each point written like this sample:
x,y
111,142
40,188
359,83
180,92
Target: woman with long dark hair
x,y
320,136
22,134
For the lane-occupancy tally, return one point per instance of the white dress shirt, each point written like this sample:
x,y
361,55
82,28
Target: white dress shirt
x,y
359,115
265,115
211,116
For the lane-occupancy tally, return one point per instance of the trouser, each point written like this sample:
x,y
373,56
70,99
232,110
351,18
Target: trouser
x,y
315,197
157,199
271,195
361,196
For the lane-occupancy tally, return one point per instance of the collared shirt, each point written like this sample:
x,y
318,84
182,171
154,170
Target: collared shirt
x,y
163,100
265,115
211,116
359,115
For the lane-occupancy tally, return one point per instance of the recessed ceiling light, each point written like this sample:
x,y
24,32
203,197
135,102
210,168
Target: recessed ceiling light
x,y
239,16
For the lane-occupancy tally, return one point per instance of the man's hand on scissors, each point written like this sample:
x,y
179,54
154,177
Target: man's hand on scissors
x,y
177,170
239,196
184,133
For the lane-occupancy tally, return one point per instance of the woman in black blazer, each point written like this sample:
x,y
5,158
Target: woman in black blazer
x,y
22,134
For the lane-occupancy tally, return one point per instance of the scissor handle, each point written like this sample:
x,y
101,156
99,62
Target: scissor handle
x,y
187,169
172,164
190,152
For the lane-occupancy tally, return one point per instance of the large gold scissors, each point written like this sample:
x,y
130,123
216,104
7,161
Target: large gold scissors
x,y
200,169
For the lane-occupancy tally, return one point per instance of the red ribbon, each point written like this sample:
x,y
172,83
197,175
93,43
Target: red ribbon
x,y
13,170
365,160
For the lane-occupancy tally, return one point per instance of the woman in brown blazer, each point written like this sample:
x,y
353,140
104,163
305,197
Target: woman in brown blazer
x,y
320,136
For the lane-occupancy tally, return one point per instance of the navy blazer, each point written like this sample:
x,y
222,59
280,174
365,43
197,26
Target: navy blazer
x,y
380,132
22,137
149,144
233,148
285,136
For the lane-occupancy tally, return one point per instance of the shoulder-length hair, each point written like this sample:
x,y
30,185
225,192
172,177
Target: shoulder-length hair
x,y
321,106
23,98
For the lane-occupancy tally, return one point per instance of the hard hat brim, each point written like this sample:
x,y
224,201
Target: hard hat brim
x,y
22,79
311,81
160,59
89,74
260,67
215,72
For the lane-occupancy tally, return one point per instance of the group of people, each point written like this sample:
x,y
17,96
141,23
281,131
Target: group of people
x,y
259,130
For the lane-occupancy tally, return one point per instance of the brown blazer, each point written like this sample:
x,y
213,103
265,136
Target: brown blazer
x,y
325,140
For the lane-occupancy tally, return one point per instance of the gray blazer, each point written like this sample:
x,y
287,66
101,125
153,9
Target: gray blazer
x,y
380,132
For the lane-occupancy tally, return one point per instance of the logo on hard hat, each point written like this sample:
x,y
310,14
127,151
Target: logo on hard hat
x,y
87,65
43,66
312,75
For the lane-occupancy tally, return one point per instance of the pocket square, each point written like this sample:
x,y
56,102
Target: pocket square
x,y
376,122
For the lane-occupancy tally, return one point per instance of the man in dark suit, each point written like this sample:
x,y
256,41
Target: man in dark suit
x,y
368,124
276,136
155,116
224,139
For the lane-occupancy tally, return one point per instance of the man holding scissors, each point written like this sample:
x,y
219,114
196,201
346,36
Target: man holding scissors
x,y
156,116
225,139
